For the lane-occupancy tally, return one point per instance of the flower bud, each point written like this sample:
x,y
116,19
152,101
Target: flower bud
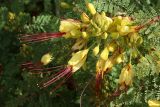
x,y
104,54
104,35
115,35
134,53
112,46
91,8
96,50
123,30
84,18
139,41
119,59
46,59
84,35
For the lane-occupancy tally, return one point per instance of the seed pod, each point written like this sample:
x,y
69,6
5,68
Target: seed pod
x,y
84,18
96,50
46,59
105,53
91,8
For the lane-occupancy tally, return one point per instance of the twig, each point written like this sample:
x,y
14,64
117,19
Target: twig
x,y
83,91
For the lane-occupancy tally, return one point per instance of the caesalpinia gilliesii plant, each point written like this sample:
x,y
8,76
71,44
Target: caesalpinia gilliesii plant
x,y
116,41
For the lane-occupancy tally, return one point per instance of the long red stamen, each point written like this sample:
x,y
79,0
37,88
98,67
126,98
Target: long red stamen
x,y
38,68
153,20
98,82
57,76
61,83
40,37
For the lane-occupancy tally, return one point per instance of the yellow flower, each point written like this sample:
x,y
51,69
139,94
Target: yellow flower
x,y
153,103
78,59
69,25
126,75
46,58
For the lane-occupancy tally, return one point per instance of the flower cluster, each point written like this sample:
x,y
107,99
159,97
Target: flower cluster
x,y
119,34
115,41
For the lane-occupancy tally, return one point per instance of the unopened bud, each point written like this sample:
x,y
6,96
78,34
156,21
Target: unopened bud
x,y
104,54
112,46
96,50
115,35
84,18
84,35
91,8
119,59
46,59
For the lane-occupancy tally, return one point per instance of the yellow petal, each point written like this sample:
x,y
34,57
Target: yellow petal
x,y
153,103
77,57
68,25
46,59
79,64
104,54
79,44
